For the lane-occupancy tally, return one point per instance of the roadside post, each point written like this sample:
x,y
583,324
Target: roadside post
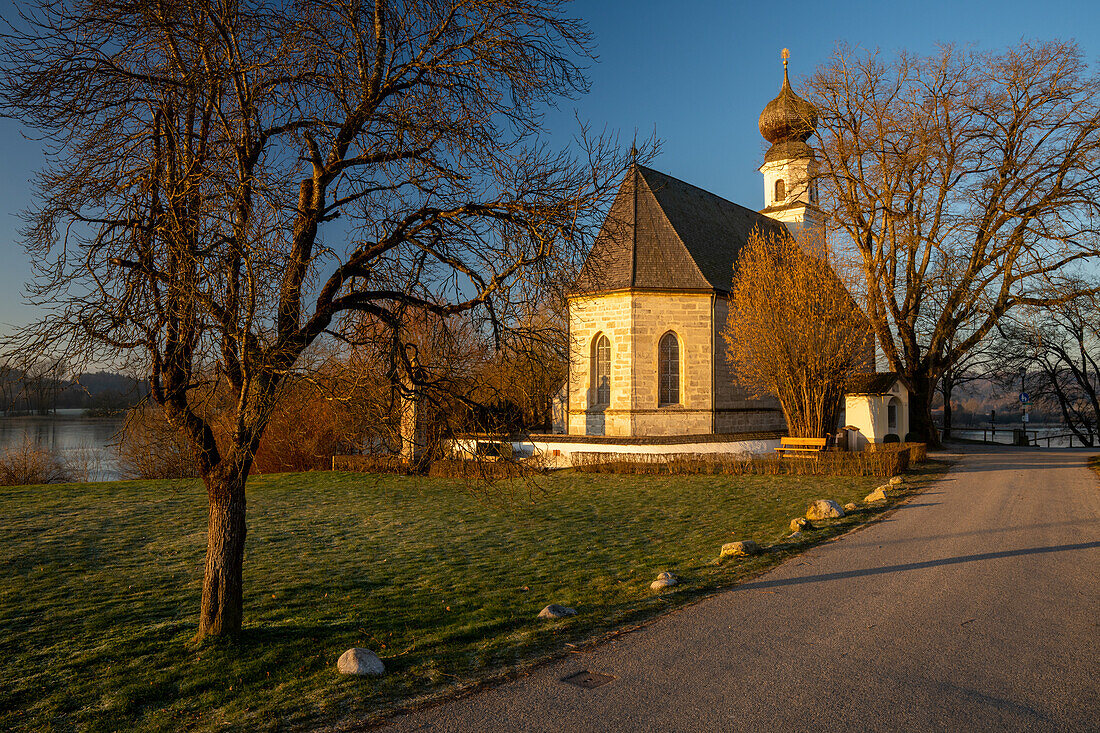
x,y
1025,401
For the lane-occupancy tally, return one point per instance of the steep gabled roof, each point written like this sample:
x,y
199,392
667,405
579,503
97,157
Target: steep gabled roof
x,y
662,233
872,383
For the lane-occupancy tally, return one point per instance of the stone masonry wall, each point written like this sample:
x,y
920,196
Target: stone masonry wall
x,y
710,400
689,316
590,316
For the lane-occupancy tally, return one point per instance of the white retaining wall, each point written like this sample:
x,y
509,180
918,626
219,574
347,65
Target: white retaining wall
x,y
560,454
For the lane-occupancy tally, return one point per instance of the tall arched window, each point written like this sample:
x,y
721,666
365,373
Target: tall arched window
x,y
668,370
780,190
601,370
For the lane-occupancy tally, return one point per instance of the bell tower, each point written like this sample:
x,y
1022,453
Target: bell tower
x,y
790,191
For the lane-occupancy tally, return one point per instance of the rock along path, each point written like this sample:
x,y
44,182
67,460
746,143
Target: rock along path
x,y
974,607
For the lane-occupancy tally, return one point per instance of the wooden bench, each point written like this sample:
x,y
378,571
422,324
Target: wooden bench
x,y
801,446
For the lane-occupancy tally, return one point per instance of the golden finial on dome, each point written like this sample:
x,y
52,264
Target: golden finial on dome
x,y
787,121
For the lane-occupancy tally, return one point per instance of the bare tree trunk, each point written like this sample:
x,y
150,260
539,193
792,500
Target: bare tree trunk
x,y
920,410
947,417
222,584
412,437
945,390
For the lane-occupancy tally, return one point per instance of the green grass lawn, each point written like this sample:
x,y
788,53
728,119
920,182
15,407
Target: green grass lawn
x,y
100,597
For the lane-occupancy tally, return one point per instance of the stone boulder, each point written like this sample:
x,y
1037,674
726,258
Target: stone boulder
x,y
795,536
895,480
878,494
664,580
850,507
800,524
361,662
744,548
555,611
824,509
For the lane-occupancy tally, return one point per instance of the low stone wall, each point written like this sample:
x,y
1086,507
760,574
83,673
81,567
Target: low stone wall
x,y
559,451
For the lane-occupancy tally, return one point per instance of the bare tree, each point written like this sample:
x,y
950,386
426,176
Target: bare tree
x,y
965,183
976,364
1058,349
416,407
524,375
41,382
9,386
200,153
794,331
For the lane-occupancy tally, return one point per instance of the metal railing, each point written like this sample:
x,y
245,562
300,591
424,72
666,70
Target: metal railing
x,y
1033,437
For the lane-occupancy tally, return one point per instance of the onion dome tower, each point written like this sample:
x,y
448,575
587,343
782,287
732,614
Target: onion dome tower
x,y
790,193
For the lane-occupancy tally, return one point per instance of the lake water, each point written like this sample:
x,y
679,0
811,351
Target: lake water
x,y
84,443
1058,435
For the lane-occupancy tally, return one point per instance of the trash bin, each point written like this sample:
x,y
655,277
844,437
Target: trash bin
x,y
1019,437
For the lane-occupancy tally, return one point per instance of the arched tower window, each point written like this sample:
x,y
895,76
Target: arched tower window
x,y
780,190
668,370
601,370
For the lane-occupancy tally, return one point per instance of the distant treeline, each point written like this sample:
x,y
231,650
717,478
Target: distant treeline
x,y
41,391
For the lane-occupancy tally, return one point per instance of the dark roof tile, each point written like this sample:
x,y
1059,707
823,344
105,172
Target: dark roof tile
x,y
671,236
871,383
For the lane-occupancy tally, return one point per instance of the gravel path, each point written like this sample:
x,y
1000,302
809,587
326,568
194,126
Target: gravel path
x,y
974,607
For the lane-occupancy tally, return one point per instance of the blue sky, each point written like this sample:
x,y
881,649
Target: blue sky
x,y
697,73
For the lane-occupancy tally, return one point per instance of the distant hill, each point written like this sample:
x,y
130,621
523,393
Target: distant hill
x,y
972,402
23,392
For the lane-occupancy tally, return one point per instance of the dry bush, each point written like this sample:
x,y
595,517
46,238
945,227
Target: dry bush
x,y
306,429
918,452
84,463
29,462
793,330
149,448
515,389
440,369
482,470
883,462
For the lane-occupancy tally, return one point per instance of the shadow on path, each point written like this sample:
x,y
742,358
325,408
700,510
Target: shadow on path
x,y
971,533
1020,459
842,575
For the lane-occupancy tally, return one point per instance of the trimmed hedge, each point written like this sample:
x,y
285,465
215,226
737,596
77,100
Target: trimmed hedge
x,y
883,461
471,470
444,468
880,460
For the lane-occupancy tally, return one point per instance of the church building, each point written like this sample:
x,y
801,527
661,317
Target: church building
x,y
647,311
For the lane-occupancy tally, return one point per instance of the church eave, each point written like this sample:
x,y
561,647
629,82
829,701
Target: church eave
x,y
574,294
791,206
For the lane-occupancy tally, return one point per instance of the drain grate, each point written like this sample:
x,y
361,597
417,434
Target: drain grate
x,y
588,679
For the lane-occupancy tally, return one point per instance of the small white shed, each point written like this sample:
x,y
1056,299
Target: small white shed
x,y
876,405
